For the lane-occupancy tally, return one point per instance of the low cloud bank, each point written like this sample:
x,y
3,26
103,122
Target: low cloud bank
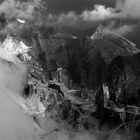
x,y
125,10
14,124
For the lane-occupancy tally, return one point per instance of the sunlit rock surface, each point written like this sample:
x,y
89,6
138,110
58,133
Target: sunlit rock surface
x,y
16,47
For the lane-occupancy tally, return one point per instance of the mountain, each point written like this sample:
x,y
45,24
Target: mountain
x,y
112,45
85,59
14,122
90,64
82,57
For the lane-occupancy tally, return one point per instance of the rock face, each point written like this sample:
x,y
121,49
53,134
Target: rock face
x,y
101,67
96,52
16,47
112,45
122,70
126,72
103,58
87,66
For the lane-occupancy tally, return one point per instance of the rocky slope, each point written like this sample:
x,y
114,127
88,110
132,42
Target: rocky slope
x,y
97,65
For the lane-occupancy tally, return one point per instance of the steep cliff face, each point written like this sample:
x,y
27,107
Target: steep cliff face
x,y
94,64
96,52
132,73
86,58
88,61
112,45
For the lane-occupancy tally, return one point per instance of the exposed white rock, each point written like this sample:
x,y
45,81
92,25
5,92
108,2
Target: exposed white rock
x,y
8,56
16,47
98,34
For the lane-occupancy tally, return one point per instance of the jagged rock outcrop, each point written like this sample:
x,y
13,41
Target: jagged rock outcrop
x,y
96,52
16,47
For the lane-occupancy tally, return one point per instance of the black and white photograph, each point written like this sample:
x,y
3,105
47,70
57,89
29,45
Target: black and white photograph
x,y
69,69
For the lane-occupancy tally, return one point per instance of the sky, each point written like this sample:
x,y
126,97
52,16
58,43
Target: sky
x,y
120,16
59,6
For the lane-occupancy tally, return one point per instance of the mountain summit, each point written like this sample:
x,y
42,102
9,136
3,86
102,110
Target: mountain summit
x,y
111,44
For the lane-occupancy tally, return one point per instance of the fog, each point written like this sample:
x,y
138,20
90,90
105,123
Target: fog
x,y
14,124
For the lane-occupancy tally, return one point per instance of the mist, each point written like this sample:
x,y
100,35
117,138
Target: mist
x,y
17,9
128,9
123,10
14,124
123,29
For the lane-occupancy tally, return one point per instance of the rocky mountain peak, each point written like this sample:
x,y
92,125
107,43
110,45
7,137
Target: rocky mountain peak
x,y
98,33
111,44
16,47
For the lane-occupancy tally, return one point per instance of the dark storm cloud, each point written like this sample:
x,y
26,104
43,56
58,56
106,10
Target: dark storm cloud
x,y
76,13
58,6
124,10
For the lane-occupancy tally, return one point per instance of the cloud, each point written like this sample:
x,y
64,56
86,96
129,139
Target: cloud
x,y
125,29
100,12
59,6
83,20
10,10
122,30
124,9
15,8
129,8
